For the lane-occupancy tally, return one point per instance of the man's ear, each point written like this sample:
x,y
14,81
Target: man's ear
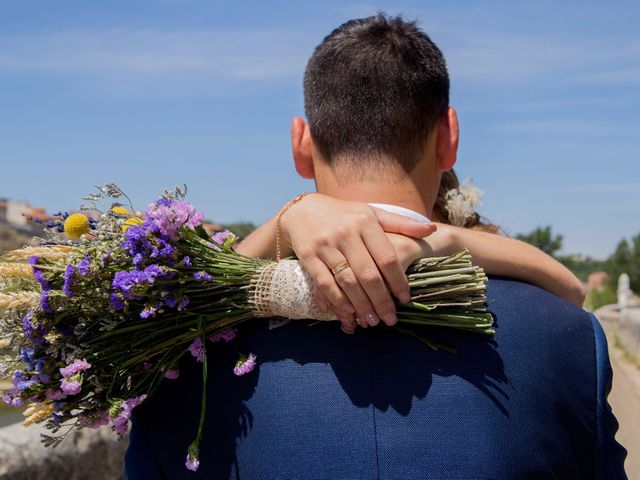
x,y
448,132
301,146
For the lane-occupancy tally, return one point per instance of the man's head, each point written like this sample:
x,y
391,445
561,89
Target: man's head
x,y
375,91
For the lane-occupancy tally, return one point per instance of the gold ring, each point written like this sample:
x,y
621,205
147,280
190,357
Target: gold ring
x,y
340,267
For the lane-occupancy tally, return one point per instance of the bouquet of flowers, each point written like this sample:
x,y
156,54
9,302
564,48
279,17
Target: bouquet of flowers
x,y
94,321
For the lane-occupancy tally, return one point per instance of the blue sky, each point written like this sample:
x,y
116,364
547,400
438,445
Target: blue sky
x,y
151,94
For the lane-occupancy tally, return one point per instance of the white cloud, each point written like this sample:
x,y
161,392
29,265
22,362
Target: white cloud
x,y
511,57
121,53
278,54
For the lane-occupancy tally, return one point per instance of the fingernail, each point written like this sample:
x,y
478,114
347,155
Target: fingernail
x,y
371,318
321,306
350,332
390,318
404,297
348,307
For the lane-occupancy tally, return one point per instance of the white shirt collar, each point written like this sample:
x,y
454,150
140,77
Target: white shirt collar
x,y
401,211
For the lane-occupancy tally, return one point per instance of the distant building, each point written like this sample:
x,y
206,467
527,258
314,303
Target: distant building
x,y
18,214
597,281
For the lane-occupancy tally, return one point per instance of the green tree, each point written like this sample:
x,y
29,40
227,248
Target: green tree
x,y
625,259
582,266
544,239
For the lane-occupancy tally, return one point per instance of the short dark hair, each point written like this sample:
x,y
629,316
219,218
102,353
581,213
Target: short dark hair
x,y
375,87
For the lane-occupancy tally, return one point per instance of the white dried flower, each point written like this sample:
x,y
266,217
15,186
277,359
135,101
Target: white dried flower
x,y
462,202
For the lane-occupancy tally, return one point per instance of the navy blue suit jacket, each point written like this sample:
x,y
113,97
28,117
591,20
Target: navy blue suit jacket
x,y
528,403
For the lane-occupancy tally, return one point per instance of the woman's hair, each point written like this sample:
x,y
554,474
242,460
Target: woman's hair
x,y
442,214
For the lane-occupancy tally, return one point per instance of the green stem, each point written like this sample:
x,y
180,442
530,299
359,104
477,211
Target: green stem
x,y
203,405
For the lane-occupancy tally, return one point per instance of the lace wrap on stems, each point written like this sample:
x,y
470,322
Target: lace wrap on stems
x,y
285,289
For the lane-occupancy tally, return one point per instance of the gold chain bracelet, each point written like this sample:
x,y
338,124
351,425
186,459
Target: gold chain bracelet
x,y
288,205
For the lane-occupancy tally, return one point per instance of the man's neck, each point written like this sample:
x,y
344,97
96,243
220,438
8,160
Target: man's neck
x,y
403,192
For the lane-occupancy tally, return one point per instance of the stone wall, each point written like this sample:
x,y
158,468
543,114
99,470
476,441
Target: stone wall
x,y
84,455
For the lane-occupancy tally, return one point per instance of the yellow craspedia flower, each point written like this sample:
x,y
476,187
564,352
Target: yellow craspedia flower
x,y
76,225
133,221
120,210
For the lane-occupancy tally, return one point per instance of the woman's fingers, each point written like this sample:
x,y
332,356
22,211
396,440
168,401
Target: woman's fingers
x,y
393,223
387,261
349,284
347,321
364,278
328,292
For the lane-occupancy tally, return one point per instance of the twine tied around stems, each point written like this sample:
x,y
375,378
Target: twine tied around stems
x,y
285,289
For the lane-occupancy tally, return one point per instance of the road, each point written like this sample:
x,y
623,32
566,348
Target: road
x,y
625,402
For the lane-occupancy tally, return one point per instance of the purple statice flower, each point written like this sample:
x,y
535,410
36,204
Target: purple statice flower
x,y
55,395
197,349
42,378
33,334
27,355
59,406
226,335
182,304
98,421
125,281
202,276
172,374
138,259
170,301
69,273
149,311
44,302
186,261
38,275
39,365
21,382
221,237
135,241
244,365
57,419
153,272
27,326
166,217
84,266
74,367
162,249
12,398
121,421
116,301
70,386
192,462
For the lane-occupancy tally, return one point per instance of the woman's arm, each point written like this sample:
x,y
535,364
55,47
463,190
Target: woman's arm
x,y
500,255
320,223
324,233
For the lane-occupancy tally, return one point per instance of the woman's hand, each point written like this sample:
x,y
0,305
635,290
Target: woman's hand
x,y
353,263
